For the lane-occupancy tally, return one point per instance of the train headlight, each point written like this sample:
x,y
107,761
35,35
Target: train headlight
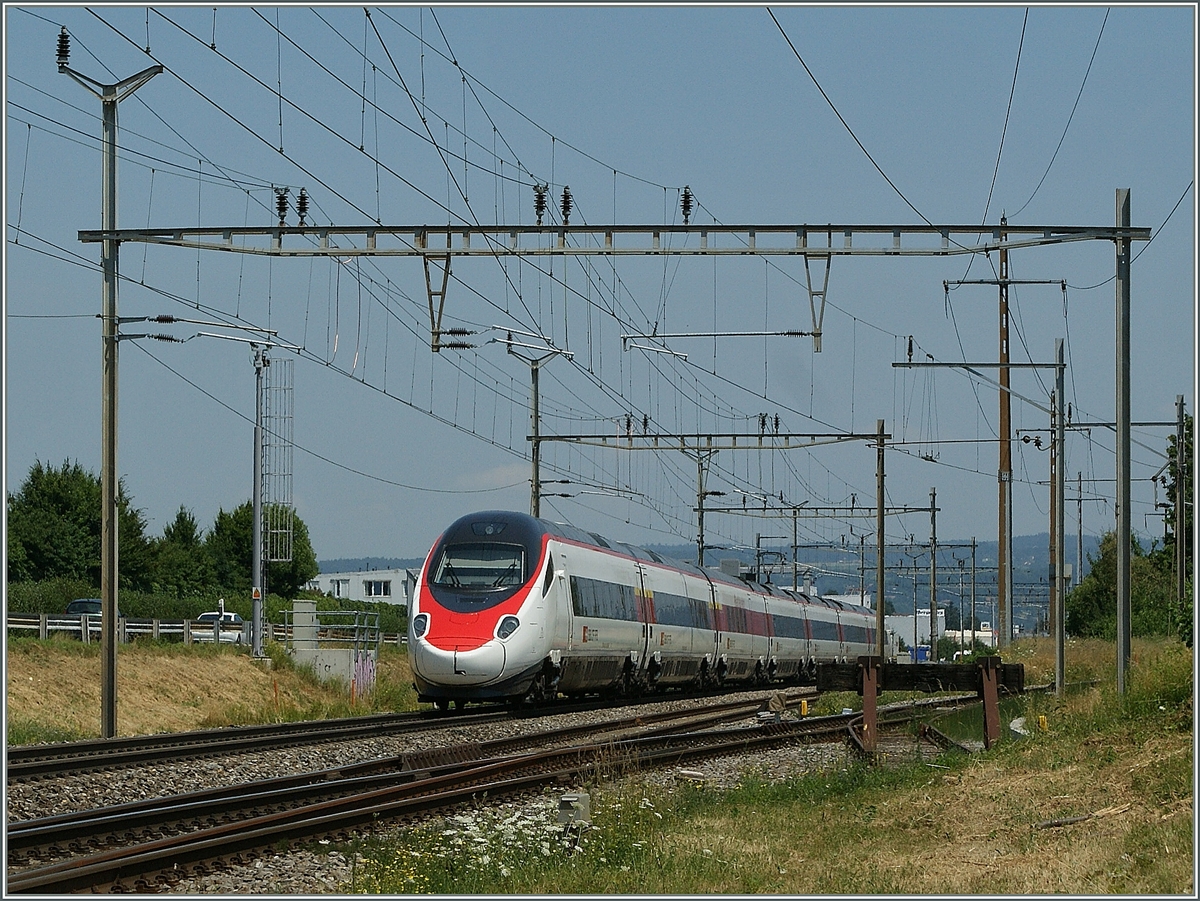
x,y
420,624
508,625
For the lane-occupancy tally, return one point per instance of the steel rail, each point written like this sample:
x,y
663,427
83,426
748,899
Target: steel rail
x,y
27,838
337,817
34,761
31,761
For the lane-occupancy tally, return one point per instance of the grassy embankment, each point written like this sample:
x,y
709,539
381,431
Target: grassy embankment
x,y
53,689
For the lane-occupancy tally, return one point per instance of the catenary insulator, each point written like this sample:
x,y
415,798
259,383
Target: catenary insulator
x,y
281,204
302,206
566,204
539,201
686,203
64,48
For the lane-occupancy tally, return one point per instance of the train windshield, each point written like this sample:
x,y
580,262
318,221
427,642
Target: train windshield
x,y
480,567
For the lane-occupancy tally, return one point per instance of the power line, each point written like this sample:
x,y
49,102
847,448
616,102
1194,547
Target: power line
x,y
850,130
1007,112
1066,127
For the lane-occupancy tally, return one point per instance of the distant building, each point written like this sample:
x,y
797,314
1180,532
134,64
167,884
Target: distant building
x,y
914,631
389,586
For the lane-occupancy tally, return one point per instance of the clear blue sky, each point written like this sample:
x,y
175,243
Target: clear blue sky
x,y
626,105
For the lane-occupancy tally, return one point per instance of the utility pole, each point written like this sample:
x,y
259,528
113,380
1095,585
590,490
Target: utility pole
x,y
1059,586
933,575
702,457
795,553
535,437
261,360
1182,464
1123,253
1052,609
110,95
1004,474
879,490
972,594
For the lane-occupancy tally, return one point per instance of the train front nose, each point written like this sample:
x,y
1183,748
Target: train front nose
x,y
458,664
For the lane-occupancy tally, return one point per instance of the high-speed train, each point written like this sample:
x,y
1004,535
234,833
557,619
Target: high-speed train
x,y
508,608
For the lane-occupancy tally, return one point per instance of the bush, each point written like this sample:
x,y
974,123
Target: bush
x,y
49,595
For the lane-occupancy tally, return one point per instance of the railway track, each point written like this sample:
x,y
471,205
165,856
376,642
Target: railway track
x,y
142,846
27,762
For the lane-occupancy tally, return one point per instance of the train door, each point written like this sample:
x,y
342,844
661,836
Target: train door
x,y
708,640
645,615
551,599
670,615
564,633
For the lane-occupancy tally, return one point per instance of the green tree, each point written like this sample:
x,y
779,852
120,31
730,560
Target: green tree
x,y
54,529
230,545
182,566
1092,605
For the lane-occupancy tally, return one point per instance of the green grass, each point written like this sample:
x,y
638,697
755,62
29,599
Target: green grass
x,y
22,731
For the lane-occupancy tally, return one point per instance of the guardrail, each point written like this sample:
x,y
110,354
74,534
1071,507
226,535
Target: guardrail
x,y
86,626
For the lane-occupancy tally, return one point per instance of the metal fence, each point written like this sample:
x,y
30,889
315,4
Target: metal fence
x,y
129,628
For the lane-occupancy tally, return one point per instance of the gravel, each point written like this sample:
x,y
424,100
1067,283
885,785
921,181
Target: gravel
x,y
323,872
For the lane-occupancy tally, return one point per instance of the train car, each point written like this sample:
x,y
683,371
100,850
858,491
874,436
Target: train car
x,y
508,608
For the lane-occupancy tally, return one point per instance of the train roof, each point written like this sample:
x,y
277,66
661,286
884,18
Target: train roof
x,y
532,525
582,536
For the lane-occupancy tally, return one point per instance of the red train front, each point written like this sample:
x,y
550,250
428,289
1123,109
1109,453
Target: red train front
x,y
480,622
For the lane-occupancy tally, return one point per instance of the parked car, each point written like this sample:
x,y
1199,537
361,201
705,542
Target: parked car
x,y
90,606
230,629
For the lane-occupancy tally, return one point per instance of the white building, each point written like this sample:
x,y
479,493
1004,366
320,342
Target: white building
x,y
914,631
390,586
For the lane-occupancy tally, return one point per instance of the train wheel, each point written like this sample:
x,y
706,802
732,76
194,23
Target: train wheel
x,y
537,693
441,705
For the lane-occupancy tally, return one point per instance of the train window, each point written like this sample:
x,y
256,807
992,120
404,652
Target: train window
x,y
824,630
788,626
591,597
677,610
480,566
549,580
857,634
